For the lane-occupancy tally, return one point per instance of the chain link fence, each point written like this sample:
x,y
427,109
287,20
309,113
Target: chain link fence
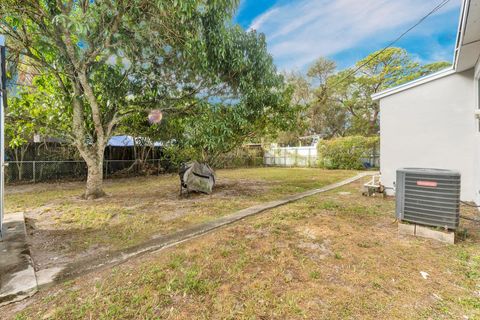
x,y
40,171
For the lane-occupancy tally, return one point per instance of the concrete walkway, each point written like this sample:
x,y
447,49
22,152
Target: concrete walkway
x,y
17,276
92,263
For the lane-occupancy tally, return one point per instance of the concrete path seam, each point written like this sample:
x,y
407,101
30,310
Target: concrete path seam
x,y
49,276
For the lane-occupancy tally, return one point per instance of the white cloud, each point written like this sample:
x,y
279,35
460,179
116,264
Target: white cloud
x,y
260,20
301,31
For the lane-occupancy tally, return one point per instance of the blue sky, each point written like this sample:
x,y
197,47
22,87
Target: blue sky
x,y
299,31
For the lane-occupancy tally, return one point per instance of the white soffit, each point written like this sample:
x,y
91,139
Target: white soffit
x,y
468,56
469,49
472,28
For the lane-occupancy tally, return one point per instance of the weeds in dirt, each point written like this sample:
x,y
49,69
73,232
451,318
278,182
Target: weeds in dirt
x,y
318,258
138,209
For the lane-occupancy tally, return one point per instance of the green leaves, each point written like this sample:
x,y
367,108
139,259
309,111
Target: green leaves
x,y
340,103
346,152
227,89
36,111
113,61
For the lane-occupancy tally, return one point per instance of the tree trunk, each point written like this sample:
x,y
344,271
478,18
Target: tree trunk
x,y
94,188
19,159
92,154
372,129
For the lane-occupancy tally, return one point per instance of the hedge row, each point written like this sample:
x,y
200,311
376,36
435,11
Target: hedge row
x,y
346,152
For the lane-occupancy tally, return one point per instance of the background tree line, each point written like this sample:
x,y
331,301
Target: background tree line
x,y
84,71
97,68
338,103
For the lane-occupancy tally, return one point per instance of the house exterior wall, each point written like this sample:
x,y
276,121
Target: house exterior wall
x,y
477,140
433,126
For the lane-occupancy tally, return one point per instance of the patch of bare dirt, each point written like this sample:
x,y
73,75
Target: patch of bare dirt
x,y
39,187
240,187
51,240
334,263
50,247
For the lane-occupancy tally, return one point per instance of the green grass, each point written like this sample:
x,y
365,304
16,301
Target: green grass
x,y
138,208
329,256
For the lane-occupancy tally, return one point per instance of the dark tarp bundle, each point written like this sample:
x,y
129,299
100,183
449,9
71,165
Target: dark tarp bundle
x,y
198,177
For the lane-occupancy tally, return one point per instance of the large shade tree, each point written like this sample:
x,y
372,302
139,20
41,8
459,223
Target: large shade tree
x,y
327,115
255,106
300,98
340,102
114,58
378,71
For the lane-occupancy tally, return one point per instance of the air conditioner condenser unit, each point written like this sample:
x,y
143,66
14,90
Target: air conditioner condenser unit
x,y
428,197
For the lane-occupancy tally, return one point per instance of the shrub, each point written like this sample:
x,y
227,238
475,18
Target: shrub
x,y
346,152
241,157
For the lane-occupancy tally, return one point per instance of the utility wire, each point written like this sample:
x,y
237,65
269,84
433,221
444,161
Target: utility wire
x,y
438,7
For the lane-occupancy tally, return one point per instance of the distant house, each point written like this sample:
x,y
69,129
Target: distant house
x,y
433,122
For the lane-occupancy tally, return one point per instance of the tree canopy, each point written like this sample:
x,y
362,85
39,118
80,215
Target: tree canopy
x,y
339,103
111,60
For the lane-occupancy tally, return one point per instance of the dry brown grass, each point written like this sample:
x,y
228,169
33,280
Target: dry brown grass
x,y
330,256
64,228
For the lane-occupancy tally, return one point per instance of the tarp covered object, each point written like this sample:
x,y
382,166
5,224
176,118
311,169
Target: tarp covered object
x,y
198,177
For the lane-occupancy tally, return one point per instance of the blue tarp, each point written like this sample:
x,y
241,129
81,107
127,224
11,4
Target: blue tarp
x,y
125,141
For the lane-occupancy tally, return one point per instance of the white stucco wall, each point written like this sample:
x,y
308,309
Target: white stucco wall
x,y
477,142
433,126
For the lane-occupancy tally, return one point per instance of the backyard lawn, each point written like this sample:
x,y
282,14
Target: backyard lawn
x,y
63,228
335,255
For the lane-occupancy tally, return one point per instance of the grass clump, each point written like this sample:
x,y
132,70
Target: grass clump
x,y
136,209
283,265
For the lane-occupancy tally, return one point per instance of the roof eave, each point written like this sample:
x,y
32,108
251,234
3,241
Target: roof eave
x,y
414,83
462,24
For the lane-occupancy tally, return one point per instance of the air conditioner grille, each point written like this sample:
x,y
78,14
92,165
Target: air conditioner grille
x,y
429,197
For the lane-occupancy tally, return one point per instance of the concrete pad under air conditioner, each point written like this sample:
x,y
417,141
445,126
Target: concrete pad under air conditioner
x,y
442,236
406,229
426,232
17,276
